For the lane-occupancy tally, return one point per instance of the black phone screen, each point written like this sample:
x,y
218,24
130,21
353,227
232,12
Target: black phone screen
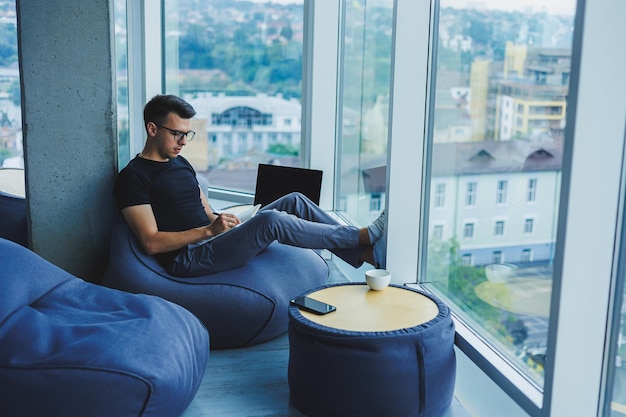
x,y
313,306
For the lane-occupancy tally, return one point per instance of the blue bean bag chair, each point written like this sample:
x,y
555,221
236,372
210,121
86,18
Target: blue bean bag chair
x,y
240,307
72,348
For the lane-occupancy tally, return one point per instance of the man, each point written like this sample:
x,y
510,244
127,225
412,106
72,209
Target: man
x,y
160,199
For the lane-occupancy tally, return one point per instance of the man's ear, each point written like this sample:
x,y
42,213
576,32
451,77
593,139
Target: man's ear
x,y
151,129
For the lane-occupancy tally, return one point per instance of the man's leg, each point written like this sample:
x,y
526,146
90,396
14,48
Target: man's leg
x,y
293,220
243,243
302,207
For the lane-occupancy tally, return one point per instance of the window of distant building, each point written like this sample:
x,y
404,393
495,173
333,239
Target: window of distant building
x,y
496,257
529,225
498,229
501,192
470,193
244,117
440,195
438,232
531,193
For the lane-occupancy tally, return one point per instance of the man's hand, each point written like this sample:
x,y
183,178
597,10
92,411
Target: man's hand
x,y
224,222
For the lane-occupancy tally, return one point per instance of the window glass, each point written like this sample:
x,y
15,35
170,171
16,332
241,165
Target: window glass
x,y
365,84
615,401
239,63
121,80
11,150
617,395
500,81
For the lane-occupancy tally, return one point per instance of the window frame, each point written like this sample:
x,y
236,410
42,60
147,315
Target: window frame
x,y
561,384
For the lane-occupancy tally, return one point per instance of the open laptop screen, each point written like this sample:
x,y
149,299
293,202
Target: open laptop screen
x,y
275,181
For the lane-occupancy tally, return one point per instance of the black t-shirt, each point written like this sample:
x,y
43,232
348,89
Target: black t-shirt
x,y
171,188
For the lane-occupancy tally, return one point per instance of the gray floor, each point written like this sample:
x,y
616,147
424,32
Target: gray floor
x,y
252,382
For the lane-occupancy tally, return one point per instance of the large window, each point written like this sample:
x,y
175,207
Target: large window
x,y
240,65
488,62
121,82
617,395
364,108
11,151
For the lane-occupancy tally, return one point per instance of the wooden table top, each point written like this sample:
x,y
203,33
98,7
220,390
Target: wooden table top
x,y
363,310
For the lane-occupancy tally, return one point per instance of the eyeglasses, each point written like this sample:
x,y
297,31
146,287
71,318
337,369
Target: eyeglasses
x,y
178,135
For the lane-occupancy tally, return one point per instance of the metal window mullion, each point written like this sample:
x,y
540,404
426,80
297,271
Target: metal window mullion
x,y
320,81
589,212
406,146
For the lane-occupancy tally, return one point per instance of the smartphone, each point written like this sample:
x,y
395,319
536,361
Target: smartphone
x,y
313,306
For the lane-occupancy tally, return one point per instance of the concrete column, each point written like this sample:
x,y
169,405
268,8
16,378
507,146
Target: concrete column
x,y
69,122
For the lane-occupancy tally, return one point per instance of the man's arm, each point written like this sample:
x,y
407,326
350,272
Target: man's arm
x,y
207,207
142,222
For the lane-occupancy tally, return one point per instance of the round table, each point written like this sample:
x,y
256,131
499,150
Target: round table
x,y
381,353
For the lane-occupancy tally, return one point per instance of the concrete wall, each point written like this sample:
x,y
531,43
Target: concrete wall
x,y
69,121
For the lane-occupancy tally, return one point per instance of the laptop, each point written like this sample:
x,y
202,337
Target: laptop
x,y
275,181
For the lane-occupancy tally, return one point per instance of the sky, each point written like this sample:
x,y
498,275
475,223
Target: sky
x,y
567,7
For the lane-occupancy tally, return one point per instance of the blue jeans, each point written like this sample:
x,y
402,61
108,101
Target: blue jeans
x,y
293,220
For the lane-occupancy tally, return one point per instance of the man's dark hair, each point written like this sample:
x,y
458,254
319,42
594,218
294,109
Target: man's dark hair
x,y
160,106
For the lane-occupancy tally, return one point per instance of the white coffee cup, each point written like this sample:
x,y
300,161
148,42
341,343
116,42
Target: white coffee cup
x,y
377,279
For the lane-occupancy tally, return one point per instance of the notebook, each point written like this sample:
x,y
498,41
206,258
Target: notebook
x,y
244,213
275,181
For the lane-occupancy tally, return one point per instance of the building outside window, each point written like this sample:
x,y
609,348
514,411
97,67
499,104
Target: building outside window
x,y
243,76
365,76
518,90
